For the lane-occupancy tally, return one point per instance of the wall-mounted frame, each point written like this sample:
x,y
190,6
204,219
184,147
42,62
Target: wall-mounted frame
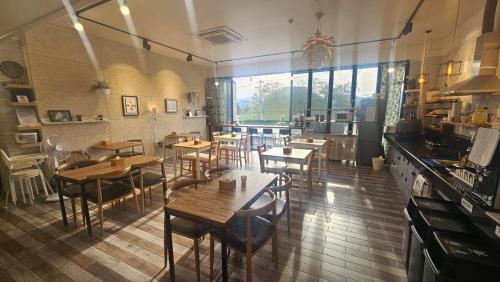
x,y
130,105
171,106
200,113
59,115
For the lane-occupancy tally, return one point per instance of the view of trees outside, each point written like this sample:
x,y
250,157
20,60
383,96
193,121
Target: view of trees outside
x,y
266,99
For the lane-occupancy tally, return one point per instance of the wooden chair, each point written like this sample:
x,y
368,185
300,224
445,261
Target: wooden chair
x,y
207,160
185,227
147,179
248,232
211,172
110,188
287,140
282,134
73,191
236,152
292,169
269,167
168,143
282,205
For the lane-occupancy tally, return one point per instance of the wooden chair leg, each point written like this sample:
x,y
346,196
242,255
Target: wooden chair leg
x,y
101,218
211,258
239,156
150,194
182,166
73,208
136,204
83,214
197,258
249,265
143,200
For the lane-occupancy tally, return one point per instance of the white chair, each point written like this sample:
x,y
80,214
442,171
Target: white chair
x,y
22,168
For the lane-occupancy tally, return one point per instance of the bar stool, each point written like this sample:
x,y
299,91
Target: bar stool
x,y
267,133
253,132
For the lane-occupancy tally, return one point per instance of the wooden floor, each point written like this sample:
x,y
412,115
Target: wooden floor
x,y
349,229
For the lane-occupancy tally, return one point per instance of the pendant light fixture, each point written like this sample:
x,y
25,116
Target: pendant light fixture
x,y
318,49
452,67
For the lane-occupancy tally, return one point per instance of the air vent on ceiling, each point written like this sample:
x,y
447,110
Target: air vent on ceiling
x,y
220,35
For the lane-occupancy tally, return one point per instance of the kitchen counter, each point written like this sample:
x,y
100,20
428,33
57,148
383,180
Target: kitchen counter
x,y
444,184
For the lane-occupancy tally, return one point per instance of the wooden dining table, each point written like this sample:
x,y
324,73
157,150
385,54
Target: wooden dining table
x,y
81,176
319,144
215,208
117,146
187,147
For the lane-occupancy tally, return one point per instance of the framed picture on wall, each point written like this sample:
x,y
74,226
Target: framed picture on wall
x,y
26,116
59,115
171,105
200,113
130,105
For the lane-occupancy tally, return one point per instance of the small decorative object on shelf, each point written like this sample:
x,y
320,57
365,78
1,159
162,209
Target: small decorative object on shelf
x,y
101,87
287,150
59,115
189,113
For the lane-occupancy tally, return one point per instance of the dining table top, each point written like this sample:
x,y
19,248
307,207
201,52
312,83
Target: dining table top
x,y
191,145
303,141
217,208
182,134
117,145
236,137
296,154
81,175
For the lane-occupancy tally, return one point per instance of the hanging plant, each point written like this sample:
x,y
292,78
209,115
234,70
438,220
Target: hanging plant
x,y
101,87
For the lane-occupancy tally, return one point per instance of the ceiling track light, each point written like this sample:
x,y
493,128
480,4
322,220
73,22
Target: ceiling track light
x,y
145,44
189,58
124,8
78,26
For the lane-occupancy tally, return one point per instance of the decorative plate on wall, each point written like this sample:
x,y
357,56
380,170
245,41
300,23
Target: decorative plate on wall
x,y
12,69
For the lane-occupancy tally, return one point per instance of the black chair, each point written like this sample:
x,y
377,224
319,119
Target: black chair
x,y
282,205
237,130
185,227
248,232
133,152
147,179
73,191
267,133
253,132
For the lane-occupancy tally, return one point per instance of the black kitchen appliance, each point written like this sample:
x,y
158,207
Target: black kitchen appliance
x,y
485,154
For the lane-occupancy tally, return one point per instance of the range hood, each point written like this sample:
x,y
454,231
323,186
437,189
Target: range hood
x,y
484,79
486,56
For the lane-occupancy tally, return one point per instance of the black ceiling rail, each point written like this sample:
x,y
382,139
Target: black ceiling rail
x,y
405,30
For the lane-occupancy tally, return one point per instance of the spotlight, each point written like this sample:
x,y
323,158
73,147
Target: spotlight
x,y
390,70
145,44
189,58
216,83
124,9
78,26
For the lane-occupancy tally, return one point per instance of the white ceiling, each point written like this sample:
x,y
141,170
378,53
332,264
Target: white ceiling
x,y
264,23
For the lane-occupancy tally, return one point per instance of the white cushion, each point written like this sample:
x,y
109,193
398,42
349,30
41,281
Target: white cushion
x,y
203,157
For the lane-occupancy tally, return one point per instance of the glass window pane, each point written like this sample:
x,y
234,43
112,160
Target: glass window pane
x,y
320,84
366,84
262,99
299,93
342,84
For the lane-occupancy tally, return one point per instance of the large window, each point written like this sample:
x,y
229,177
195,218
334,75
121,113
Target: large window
x,y
342,87
320,85
263,99
299,93
366,83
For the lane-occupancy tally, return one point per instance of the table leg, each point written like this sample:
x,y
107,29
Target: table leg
x,y
174,158
320,160
302,182
85,209
168,246
197,168
223,251
61,201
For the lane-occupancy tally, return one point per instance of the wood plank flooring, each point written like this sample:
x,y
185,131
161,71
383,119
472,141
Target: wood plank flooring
x,y
350,229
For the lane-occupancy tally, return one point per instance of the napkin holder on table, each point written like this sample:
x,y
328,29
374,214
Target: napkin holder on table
x,y
227,184
118,162
197,142
310,140
287,150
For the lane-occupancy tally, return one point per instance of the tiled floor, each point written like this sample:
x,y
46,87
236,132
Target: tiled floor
x,y
349,229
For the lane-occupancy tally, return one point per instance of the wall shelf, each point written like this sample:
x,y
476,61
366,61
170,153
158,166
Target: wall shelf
x,y
412,91
17,104
29,127
17,86
196,117
48,122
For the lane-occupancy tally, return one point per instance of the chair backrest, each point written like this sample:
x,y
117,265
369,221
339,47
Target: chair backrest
x,y
198,135
6,160
138,141
75,165
284,131
214,150
284,184
267,131
237,129
211,172
107,158
141,167
261,149
252,130
309,161
244,141
264,210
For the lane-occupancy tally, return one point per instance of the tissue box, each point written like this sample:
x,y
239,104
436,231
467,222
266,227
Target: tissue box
x,y
287,150
106,142
227,184
117,162
197,142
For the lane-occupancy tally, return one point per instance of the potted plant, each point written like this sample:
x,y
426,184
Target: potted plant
x,y
101,87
